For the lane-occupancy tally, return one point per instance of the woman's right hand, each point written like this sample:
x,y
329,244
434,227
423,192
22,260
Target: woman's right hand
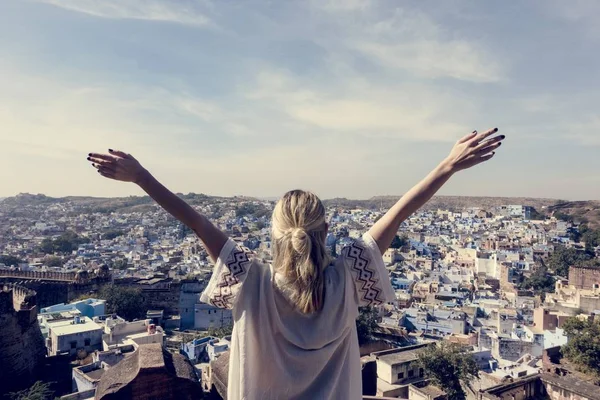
x,y
118,165
473,149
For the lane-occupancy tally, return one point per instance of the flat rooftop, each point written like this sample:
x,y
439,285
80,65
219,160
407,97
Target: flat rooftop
x,y
69,328
400,357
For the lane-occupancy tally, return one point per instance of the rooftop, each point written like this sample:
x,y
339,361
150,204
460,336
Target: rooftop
x,y
68,327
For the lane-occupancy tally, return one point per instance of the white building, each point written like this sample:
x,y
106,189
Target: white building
x,y
118,333
67,336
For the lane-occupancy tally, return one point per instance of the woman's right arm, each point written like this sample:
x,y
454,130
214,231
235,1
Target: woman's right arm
x,y
124,167
471,150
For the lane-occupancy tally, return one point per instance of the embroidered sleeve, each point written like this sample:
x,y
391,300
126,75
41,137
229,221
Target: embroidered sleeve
x,y
364,262
228,276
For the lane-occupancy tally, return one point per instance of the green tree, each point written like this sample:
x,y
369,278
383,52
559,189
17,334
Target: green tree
x,y
65,243
38,391
226,330
448,367
563,258
53,261
111,234
127,302
366,324
398,242
10,260
583,347
540,281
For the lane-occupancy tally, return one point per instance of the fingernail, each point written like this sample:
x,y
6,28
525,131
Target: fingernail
x,y
502,137
495,129
111,150
90,154
500,144
89,159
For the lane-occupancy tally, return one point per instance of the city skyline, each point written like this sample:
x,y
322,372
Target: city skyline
x,y
229,99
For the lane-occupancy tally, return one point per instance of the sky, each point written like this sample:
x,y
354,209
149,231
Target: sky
x,y
348,98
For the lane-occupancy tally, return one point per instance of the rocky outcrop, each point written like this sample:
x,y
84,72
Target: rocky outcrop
x,y
22,349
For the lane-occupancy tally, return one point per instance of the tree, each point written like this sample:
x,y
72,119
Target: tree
x,y
127,302
111,234
53,261
65,243
10,260
583,347
448,366
399,242
223,331
563,258
366,324
540,281
38,391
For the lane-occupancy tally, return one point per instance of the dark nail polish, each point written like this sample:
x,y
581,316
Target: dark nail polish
x,y
500,144
89,159
89,154
495,130
111,150
502,137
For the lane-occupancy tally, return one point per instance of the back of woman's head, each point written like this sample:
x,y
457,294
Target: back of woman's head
x,y
299,254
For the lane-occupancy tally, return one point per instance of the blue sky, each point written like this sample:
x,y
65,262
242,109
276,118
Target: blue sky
x,y
349,98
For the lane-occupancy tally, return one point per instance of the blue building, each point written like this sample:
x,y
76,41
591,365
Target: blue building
x,y
89,308
196,349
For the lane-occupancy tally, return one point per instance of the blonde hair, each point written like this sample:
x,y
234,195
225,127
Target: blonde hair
x,y
299,254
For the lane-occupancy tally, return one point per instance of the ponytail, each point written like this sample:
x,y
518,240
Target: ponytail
x,y
299,253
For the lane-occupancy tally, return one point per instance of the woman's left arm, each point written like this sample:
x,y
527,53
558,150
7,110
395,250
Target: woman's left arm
x,y
124,167
469,151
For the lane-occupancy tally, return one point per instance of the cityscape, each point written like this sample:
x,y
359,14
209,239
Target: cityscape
x,y
442,241
100,298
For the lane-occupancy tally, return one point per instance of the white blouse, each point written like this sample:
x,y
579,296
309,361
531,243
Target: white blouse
x,y
280,353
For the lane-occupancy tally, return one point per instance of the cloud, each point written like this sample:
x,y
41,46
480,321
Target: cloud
x,y
411,41
400,111
433,59
182,12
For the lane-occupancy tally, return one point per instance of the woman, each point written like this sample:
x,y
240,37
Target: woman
x,y
294,335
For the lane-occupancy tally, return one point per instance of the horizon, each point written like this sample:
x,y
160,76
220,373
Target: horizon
x,y
274,198
230,97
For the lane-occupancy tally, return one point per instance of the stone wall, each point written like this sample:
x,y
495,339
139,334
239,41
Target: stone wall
x,y
48,276
22,349
584,277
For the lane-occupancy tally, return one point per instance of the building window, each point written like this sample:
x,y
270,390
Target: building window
x,y
401,375
87,341
73,344
411,373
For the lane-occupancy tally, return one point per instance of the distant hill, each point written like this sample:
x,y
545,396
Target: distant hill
x,y
447,202
580,211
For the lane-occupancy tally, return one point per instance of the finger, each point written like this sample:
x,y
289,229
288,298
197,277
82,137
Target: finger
x,y
101,161
109,168
101,156
467,137
485,158
487,146
121,154
477,139
475,159
107,174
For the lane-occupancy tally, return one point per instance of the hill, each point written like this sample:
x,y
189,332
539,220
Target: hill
x,y
579,211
